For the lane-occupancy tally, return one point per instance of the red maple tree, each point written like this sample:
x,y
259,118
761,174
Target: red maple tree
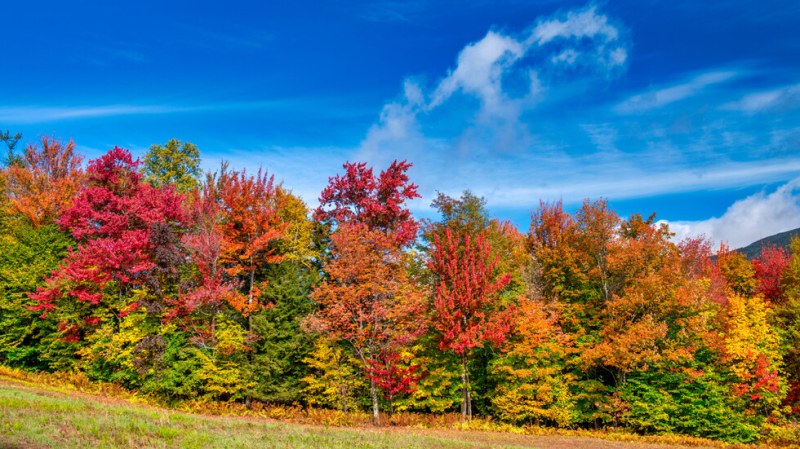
x,y
359,196
111,219
467,309
769,268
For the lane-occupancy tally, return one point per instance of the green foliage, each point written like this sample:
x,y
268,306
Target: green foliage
x,y
175,378
281,345
687,401
27,254
173,164
11,141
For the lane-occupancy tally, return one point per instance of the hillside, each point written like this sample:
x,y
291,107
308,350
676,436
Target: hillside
x,y
781,240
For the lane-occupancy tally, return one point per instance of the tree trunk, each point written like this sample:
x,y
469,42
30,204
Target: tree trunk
x,y
343,396
373,392
249,399
466,397
342,385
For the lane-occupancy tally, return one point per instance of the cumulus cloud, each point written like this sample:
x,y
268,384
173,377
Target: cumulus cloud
x,y
480,69
750,219
510,122
483,67
471,120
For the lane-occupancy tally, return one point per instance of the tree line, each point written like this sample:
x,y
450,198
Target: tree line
x,y
226,286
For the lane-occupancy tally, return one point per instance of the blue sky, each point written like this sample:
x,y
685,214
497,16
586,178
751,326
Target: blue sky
x,y
689,109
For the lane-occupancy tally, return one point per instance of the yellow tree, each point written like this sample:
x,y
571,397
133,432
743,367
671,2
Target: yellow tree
x,y
534,384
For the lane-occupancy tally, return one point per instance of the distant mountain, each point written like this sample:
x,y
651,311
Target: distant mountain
x,y
782,240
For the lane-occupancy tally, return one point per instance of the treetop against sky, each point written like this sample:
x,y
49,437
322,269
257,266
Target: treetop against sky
x,y
691,109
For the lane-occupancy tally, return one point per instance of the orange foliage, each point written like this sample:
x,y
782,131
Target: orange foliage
x,y
43,185
249,225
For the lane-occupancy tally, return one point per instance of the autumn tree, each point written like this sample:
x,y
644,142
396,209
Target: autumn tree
x,y
467,313
368,302
368,299
752,353
176,164
738,272
467,215
42,185
769,270
359,196
112,220
535,385
207,287
249,225
334,378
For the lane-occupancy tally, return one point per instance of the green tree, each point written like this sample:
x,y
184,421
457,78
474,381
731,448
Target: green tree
x,y
11,141
175,164
27,254
686,400
281,345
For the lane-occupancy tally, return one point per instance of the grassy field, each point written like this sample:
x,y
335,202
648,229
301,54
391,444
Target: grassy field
x,y
40,417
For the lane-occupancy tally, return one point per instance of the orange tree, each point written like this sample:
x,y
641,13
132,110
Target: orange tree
x,y
368,300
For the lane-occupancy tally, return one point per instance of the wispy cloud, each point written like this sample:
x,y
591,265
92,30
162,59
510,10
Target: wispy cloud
x,y
498,71
579,24
239,39
32,114
783,98
750,219
42,114
663,96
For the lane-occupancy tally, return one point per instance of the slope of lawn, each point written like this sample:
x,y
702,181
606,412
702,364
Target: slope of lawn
x,y
35,417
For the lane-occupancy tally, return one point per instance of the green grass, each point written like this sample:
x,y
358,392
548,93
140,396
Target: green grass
x,y
30,417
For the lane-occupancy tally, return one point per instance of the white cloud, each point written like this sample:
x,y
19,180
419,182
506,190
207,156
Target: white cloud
x,y
578,24
42,114
782,98
618,56
750,219
477,127
480,69
499,72
567,56
657,98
